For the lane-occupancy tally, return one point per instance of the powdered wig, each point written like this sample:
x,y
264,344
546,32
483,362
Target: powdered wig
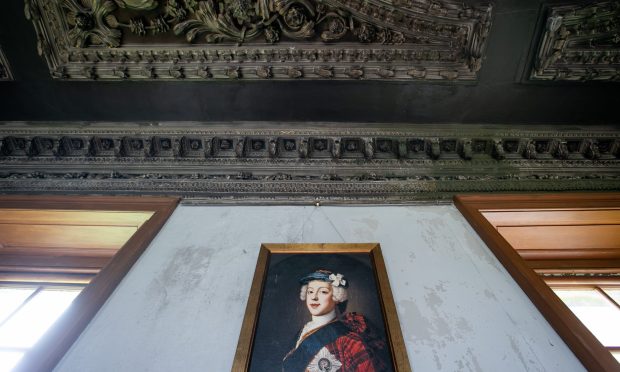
x,y
339,294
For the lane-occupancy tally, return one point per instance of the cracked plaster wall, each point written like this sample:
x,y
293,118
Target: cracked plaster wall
x,y
180,307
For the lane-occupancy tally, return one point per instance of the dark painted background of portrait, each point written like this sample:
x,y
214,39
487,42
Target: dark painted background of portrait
x,y
282,314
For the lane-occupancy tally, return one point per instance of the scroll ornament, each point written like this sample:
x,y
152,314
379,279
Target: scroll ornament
x,y
92,22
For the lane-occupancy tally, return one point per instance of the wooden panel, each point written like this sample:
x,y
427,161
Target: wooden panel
x,y
590,266
62,246
573,282
55,252
563,237
65,236
555,237
81,203
21,263
553,217
45,278
67,217
581,200
570,254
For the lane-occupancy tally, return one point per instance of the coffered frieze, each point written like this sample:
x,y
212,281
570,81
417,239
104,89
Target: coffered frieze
x,y
579,42
438,40
257,161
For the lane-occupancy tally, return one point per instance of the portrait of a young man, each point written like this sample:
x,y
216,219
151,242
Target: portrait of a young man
x,y
320,313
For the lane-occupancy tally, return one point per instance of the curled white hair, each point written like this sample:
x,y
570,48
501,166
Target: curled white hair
x,y
339,294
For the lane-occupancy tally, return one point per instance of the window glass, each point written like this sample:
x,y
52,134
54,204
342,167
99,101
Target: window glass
x,y
596,312
11,298
9,359
24,328
616,355
613,293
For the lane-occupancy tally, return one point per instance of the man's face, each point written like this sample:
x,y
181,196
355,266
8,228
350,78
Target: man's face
x,y
319,298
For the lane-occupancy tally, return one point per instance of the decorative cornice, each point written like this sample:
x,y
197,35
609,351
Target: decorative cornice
x,y
299,191
5,70
438,40
580,42
331,162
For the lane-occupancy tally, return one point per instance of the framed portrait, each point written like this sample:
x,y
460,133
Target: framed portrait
x,y
320,308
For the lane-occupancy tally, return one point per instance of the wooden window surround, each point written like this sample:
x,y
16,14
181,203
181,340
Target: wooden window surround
x,y
62,246
48,351
526,262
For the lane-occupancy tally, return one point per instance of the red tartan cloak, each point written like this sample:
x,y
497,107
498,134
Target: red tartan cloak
x,y
350,340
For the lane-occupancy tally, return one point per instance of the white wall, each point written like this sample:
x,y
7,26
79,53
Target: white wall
x,y
180,307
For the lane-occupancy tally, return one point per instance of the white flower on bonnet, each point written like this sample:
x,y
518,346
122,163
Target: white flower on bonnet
x,y
337,280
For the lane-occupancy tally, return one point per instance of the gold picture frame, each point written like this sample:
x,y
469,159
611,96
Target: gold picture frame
x,y
283,256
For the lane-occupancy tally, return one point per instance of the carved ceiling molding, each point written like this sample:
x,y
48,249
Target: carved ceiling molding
x,y
426,40
5,70
580,42
331,162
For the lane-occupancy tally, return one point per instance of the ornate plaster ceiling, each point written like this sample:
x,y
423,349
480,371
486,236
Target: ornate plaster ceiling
x,y
261,39
530,44
311,39
580,42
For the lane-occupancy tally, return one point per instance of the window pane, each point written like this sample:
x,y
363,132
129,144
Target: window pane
x,y
596,312
616,355
613,293
9,359
31,322
11,298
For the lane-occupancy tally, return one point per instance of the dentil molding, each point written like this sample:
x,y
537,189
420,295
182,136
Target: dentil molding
x,y
332,162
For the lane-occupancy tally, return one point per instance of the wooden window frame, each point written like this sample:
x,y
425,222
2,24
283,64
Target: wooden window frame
x,y
50,349
599,284
581,341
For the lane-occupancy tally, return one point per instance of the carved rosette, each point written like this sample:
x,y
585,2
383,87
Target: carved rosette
x,y
579,43
356,162
261,39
